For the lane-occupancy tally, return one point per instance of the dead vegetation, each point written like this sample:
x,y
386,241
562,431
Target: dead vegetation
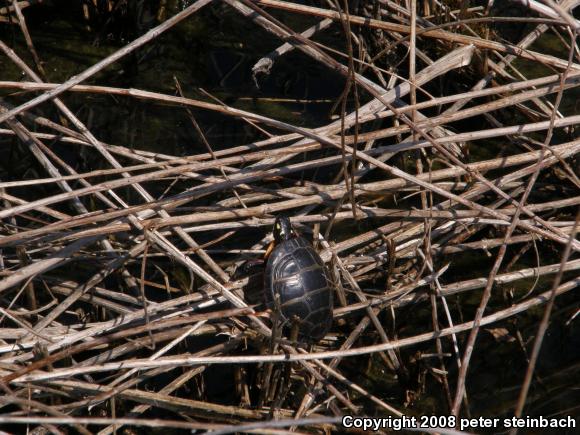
x,y
126,296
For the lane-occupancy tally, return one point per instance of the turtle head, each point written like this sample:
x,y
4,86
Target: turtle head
x,y
283,229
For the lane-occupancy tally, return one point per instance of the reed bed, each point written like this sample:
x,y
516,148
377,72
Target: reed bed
x,y
443,197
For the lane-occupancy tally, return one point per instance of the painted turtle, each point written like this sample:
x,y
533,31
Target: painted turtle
x,y
297,284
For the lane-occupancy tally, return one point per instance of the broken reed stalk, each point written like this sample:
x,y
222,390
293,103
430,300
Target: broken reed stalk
x,y
414,223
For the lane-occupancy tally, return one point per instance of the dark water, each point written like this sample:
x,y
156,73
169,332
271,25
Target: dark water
x,y
213,50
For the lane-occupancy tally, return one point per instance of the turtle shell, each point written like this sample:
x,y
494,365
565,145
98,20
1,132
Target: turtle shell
x,y
299,287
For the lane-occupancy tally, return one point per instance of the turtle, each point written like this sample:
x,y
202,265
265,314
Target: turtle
x,y
297,284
